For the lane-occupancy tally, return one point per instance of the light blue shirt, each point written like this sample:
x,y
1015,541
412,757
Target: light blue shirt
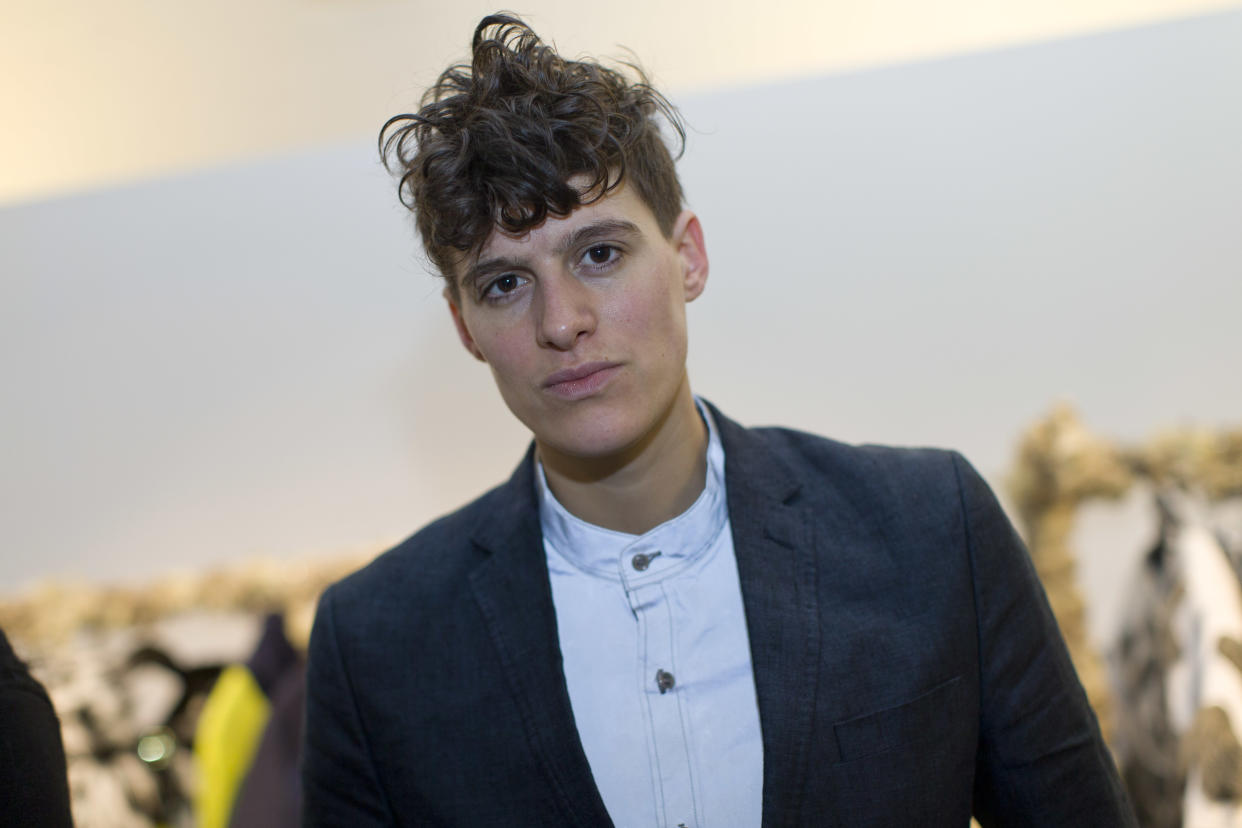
x,y
657,660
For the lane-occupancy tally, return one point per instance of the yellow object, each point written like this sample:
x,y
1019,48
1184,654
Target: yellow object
x,y
225,741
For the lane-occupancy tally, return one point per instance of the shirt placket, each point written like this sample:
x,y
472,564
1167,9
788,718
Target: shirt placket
x,y
657,680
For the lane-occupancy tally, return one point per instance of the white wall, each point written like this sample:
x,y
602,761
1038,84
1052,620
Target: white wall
x,y
100,93
933,253
250,360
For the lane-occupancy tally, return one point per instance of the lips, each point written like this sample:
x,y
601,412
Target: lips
x,y
581,380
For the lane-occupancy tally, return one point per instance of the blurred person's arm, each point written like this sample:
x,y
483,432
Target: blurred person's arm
x,y
34,788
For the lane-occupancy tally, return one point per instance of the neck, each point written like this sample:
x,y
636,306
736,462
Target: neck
x,y
651,481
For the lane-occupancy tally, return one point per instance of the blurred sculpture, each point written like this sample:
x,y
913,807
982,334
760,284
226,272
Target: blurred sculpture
x,y
1060,464
1172,710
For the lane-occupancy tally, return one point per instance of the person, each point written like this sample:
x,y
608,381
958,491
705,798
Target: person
x,y
34,782
664,618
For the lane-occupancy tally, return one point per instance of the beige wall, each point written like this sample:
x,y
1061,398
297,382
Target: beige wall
x,y
99,93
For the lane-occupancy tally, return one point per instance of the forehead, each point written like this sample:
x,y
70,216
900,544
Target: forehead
x,y
620,209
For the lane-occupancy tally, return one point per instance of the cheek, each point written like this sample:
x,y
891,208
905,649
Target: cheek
x,y
661,322
654,313
501,349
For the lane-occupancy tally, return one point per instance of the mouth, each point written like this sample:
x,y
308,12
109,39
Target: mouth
x,y
580,381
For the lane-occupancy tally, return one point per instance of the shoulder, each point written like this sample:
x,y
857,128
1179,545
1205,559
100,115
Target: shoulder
x,y
430,567
15,676
914,493
865,472
821,455
895,484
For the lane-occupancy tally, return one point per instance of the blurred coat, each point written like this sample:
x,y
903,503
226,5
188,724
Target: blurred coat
x,y
34,787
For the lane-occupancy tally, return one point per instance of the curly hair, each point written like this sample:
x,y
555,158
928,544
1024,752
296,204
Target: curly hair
x,y
497,141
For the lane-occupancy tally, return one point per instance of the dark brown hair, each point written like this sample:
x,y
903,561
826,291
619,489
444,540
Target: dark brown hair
x,y
496,142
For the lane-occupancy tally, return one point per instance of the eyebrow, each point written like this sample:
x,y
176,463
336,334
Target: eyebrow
x,y
595,230
583,235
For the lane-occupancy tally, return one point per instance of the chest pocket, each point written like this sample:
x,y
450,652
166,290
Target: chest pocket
x,y
919,718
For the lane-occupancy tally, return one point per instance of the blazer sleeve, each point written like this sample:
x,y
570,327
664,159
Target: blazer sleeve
x,y
339,781
1041,758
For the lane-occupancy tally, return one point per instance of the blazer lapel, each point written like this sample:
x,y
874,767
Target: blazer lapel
x,y
514,594
773,540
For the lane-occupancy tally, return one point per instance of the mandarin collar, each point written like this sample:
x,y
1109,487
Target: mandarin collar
x,y
659,553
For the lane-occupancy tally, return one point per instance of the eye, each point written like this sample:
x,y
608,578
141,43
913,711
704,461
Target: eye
x,y
500,286
600,255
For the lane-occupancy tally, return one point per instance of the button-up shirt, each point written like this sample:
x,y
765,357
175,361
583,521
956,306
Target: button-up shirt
x,y
657,660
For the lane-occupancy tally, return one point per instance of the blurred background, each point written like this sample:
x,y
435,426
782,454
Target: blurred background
x,y
928,223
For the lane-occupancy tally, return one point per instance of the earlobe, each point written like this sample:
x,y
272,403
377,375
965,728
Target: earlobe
x,y
688,238
463,333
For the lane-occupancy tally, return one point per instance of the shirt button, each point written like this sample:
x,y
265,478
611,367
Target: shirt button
x,y
665,681
642,560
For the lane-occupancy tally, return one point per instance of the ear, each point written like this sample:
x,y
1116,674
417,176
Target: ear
x,y
688,239
463,334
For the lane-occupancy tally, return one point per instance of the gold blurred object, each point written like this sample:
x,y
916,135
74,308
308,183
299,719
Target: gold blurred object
x,y
1208,461
53,612
1060,465
1212,747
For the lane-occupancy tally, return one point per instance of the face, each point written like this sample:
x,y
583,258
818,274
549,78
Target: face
x,y
582,322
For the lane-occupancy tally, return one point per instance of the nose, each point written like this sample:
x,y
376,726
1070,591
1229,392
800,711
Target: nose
x,y
566,312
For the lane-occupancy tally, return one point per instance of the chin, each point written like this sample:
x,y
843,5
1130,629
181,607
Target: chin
x,y
592,434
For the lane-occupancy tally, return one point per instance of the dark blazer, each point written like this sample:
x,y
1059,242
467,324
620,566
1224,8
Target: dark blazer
x,y
907,666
